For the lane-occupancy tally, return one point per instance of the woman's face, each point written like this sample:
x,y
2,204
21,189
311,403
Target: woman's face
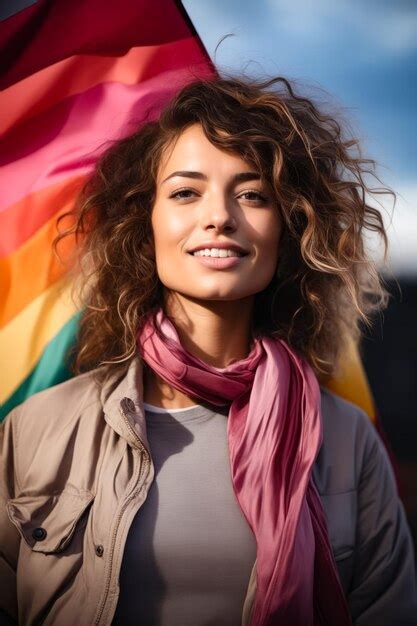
x,y
209,202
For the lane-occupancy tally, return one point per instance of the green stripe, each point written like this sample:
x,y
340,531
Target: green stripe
x,y
51,369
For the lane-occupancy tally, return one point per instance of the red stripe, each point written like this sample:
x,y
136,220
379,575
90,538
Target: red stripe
x,y
48,32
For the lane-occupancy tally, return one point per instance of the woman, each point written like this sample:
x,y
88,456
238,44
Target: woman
x,y
194,471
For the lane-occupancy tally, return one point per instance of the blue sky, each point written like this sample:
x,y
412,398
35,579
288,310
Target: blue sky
x,y
363,54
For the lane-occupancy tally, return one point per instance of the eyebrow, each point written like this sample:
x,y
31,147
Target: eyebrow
x,y
242,177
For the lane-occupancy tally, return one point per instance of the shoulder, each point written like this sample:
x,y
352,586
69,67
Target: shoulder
x,y
45,422
348,436
57,401
366,520
341,417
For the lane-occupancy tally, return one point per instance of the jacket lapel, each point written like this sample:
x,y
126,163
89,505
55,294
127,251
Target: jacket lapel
x,y
122,402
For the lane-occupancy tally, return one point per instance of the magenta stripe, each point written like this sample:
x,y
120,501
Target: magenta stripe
x,y
67,140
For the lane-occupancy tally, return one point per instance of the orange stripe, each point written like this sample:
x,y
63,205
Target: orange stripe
x,y
76,74
21,220
30,270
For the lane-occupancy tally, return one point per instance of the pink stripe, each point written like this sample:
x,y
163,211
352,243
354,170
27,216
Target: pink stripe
x,y
67,140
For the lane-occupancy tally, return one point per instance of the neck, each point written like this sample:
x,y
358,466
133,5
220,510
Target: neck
x,y
217,332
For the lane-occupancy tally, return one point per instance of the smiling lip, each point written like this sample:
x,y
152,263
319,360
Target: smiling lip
x,y
217,262
223,245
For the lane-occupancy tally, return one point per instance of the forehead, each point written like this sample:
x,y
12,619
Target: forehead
x,y
191,150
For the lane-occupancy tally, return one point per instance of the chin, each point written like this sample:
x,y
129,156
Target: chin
x,y
216,295
216,292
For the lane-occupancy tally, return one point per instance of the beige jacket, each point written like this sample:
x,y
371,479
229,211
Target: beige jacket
x,y
75,469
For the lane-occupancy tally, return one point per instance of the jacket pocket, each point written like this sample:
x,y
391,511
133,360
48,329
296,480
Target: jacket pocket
x,y
48,522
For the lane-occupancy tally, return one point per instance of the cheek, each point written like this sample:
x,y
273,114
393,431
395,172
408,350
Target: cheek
x,y
169,228
170,232
268,234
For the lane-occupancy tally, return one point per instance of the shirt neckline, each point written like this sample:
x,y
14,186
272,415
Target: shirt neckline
x,y
160,409
159,415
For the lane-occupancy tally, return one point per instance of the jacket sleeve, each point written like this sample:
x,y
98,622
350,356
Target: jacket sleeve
x,y
9,536
383,590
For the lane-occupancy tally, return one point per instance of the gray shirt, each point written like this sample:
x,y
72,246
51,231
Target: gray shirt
x,y
190,550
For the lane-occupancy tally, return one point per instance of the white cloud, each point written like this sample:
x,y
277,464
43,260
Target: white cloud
x,y
401,225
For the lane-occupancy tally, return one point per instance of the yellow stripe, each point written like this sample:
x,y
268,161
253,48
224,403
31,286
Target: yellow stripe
x,y
24,338
352,383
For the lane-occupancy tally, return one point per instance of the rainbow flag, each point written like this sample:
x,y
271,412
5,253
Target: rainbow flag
x,y
76,76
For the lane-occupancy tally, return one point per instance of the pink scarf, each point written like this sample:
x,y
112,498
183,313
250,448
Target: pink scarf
x,y
274,435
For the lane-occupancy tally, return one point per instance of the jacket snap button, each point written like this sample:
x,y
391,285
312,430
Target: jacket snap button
x,y
99,550
39,534
130,405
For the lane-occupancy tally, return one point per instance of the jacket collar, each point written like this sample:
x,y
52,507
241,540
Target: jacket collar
x,y
122,402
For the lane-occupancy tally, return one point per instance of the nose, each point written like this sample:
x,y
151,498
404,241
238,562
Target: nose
x,y
217,214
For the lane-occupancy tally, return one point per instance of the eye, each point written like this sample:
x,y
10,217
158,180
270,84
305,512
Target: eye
x,y
258,196
182,194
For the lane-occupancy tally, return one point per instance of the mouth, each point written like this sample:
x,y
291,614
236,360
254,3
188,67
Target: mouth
x,y
218,249
218,253
219,258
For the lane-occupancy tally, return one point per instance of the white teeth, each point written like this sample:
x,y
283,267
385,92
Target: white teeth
x,y
216,252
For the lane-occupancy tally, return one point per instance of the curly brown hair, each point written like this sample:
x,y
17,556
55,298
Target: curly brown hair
x,y
325,285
